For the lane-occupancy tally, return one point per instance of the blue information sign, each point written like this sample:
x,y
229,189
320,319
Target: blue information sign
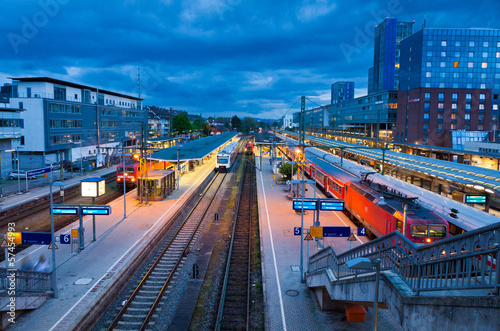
x,y
361,232
336,231
297,231
331,204
96,210
475,199
65,238
38,172
36,238
65,210
308,204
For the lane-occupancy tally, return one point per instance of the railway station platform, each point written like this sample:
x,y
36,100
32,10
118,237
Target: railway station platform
x,y
84,278
289,304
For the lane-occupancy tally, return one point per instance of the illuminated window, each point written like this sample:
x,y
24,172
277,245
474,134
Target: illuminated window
x,y
467,106
485,54
453,116
468,96
482,86
495,107
456,64
443,54
471,54
457,43
442,64
484,65
498,55
457,54
440,105
470,64
428,74
429,64
485,44
453,127
471,44
426,116
467,116
443,43
482,96
427,96
397,65
453,106
481,106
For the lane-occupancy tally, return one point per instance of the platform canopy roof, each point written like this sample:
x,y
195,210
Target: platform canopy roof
x,y
193,150
161,139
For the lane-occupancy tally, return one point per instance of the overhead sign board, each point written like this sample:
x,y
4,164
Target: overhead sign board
x,y
475,199
308,204
93,187
66,210
38,172
36,238
330,231
336,231
331,204
96,210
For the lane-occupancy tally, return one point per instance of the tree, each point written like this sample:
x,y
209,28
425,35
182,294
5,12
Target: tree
x,y
206,129
249,124
181,123
286,170
236,122
197,124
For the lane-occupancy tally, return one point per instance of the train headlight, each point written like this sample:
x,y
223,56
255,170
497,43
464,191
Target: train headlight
x,y
133,179
428,240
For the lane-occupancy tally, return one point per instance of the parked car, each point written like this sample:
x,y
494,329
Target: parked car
x,y
54,166
22,174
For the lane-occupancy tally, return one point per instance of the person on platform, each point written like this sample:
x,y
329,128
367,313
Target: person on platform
x,y
42,265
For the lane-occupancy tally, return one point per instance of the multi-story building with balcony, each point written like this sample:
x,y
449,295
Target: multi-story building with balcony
x,y
65,120
449,87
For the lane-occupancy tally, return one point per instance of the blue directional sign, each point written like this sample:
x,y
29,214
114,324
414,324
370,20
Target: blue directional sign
x,y
96,210
336,231
361,232
480,199
38,172
308,204
65,238
332,204
297,231
36,238
66,210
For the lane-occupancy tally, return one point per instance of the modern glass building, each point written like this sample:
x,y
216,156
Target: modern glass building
x,y
384,75
449,84
342,91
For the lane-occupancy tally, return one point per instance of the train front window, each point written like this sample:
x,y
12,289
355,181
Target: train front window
x,y
130,170
419,230
437,231
119,169
222,160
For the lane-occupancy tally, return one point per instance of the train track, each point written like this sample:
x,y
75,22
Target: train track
x,y
27,210
143,306
234,306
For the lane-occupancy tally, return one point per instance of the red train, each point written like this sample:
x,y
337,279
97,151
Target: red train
x,y
133,171
249,148
378,208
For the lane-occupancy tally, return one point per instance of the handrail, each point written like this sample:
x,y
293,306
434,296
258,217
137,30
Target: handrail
x,y
469,260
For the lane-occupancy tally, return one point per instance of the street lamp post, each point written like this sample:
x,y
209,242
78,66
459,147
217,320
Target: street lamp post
x,y
53,236
18,172
124,169
365,263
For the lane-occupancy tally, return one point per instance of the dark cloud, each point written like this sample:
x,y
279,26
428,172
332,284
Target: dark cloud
x,y
213,56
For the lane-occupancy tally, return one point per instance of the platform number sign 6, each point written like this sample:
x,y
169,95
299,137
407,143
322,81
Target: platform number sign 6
x,y
65,239
361,232
297,231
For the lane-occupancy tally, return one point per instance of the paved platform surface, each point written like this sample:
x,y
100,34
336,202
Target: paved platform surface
x,y
81,277
289,304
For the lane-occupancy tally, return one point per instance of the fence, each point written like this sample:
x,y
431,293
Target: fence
x,y
466,261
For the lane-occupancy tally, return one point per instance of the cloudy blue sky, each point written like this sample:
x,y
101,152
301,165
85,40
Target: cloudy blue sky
x,y
215,57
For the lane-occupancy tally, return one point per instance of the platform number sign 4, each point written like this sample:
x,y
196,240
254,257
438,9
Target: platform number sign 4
x,y
361,232
297,231
65,238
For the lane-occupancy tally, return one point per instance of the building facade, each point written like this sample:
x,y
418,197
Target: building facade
x,y
342,91
384,75
64,120
372,115
449,87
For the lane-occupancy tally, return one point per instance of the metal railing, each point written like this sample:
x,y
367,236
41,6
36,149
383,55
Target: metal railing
x,y
24,281
466,261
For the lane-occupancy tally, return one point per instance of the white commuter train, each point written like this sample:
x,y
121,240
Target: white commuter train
x,y
226,156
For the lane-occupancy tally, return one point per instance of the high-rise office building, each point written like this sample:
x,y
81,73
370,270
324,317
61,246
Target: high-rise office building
x,y
342,91
449,87
384,75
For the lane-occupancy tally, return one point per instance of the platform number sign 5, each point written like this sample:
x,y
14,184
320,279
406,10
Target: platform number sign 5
x,y
65,238
361,232
297,231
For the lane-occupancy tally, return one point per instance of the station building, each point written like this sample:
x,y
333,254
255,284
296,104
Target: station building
x,y
61,120
449,87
